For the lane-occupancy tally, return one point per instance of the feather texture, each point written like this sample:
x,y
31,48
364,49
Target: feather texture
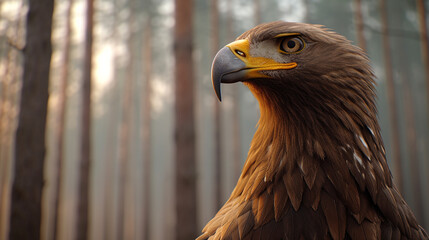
x,y
316,168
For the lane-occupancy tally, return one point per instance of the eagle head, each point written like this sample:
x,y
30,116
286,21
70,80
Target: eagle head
x,y
295,62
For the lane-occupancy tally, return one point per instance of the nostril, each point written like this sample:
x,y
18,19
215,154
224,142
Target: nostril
x,y
240,53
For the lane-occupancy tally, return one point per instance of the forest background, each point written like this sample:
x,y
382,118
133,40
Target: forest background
x,y
133,127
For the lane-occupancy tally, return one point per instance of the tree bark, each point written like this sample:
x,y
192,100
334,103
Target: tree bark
x,y
257,12
217,111
85,151
359,24
125,133
236,138
25,219
424,43
146,130
186,222
424,40
62,104
391,98
412,148
8,118
110,231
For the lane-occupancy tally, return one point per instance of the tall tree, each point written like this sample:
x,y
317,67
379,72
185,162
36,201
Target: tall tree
x,y
411,137
85,151
217,110
391,98
186,222
125,131
257,11
359,24
26,204
236,135
112,139
306,17
424,43
8,113
62,104
146,117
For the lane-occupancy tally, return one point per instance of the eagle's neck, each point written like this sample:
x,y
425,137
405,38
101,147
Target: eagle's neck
x,y
297,136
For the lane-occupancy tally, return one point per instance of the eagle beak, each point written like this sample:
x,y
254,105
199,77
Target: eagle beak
x,y
233,63
226,68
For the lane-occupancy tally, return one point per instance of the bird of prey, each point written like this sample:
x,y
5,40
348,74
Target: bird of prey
x,y
316,168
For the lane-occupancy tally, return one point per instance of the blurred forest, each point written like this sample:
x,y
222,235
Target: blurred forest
x,y
133,128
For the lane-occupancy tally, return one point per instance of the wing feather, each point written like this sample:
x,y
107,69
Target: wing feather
x,y
295,187
335,214
245,223
280,199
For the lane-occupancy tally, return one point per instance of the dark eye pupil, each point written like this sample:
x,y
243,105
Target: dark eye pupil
x,y
291,44
240,53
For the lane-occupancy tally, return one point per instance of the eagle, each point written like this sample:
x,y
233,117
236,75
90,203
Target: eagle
x,y
316,168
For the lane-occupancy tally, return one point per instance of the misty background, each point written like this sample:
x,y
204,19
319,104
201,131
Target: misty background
x,y
132,174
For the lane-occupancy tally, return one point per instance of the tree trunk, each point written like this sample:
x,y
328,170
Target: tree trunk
x,y
186,222
359,24
424,42
62,104
412,148
85,151
110,231
146,130
391,99
236,138
25,219
306,4
217,111
257,11
125,133
8,118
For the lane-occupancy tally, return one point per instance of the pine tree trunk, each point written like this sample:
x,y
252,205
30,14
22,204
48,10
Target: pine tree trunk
x,y
186,222
8,118
62,104
359,24
257,12
146,130
26,203
110,231
424,43
236,104
217,111
391,99
412,147
85,151
125,133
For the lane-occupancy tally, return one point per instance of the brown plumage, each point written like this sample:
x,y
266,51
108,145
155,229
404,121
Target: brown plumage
x,y
316,168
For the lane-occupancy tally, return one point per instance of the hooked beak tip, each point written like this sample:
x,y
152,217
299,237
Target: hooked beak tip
x,y
225,62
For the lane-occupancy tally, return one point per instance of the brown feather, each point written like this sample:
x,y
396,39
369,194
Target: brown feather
x,y
265,209
309,167
280,199
316,168
365,230
245,223
295,187
335,215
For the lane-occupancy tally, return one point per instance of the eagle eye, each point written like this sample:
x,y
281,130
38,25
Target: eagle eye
x,y
291,44
241,53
